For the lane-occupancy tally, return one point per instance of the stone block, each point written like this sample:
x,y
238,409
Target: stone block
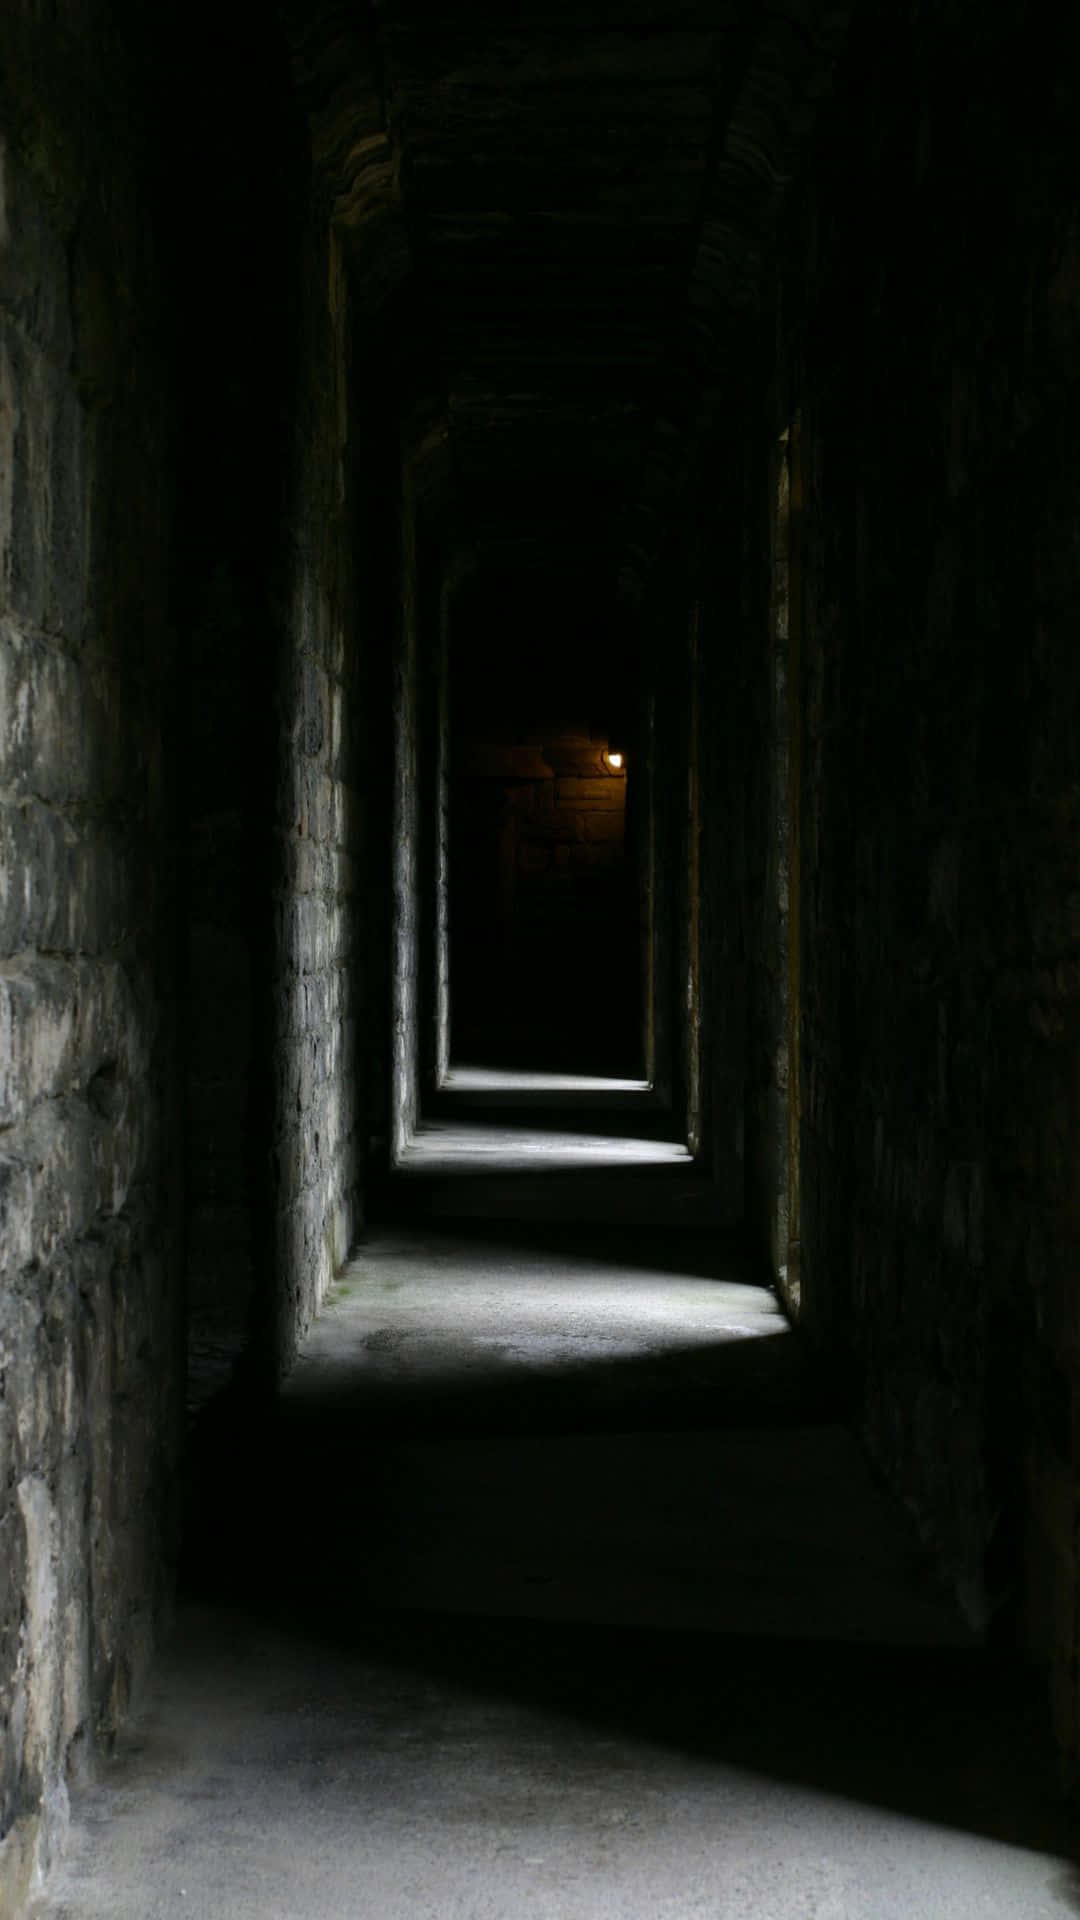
x,y
16,1213
58,740
61,889
586,794
24,544
66,514
607,827
34,279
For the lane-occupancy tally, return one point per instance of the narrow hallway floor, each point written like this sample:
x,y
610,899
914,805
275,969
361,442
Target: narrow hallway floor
x,y
337,1768
542,1147
555,1587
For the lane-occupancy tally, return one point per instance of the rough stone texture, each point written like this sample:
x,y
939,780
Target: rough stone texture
x,y
768,881
442,998
929,329
317,1158
405,832
592,210
699,806
90,1366
279,729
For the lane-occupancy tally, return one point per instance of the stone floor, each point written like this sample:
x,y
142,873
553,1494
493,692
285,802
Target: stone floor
x,y
549,1146
450,1770
532,1087
557,1587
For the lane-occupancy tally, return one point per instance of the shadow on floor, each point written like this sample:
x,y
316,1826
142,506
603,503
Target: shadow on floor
x,y
637,1113
712,1385
705,1253
294,1520
950,1739
588,1469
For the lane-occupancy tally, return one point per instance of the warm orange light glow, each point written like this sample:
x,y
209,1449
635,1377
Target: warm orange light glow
x,y
614,761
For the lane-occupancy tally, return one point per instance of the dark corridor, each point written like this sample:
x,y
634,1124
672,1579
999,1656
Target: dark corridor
x,y
545,870
539,960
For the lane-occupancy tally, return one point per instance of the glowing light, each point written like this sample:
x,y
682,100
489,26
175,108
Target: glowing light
x,y
614,761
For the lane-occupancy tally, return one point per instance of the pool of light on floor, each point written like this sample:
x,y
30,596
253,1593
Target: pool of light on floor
x,y
462,1146
476,1079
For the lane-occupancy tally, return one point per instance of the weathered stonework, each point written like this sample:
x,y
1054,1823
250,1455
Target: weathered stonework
x,y
405,643
442,997
248,511
316,1145
90,1362
280,1081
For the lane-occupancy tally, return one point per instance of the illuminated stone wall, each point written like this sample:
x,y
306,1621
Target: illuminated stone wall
x,y
317,1147
90,1242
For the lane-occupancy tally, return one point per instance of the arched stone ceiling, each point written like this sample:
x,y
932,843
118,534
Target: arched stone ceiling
x,y
586,194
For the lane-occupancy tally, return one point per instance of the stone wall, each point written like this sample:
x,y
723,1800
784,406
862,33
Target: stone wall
x,y
279,731
90,1361
417,638
405,643
375,523
317,1146
670,1037
726,619
768,620
442,996
930,337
